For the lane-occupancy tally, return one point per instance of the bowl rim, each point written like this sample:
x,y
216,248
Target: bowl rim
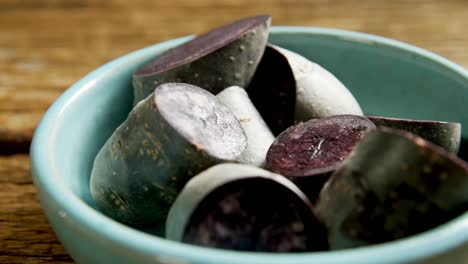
x,y
45,175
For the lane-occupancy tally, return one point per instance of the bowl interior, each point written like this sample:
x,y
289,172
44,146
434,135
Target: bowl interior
x,y
388,79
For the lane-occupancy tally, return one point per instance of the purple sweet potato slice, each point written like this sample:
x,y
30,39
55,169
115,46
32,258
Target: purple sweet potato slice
x,y
167,138
288,87
444,134
394,184
463,151
222,57
273,90
308,152
239,207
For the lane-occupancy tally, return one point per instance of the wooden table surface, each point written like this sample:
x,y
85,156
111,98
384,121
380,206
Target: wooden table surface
x,y
46,45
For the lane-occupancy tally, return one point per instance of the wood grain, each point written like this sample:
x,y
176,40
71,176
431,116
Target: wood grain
x,y
46,45
25,235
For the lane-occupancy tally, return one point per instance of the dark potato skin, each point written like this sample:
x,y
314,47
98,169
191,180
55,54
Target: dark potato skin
x,y
394,184
223,57
167,138
444,134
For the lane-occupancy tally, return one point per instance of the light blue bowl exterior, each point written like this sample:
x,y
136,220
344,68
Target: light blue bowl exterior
x,y
387,77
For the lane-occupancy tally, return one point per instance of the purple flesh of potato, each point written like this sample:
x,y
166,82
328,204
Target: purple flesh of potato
x,y
167,138
394,184
220,58
273,90
288,87
245,208
307,153
444,134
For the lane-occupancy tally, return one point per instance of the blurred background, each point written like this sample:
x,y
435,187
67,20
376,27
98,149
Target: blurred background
x,y
46,45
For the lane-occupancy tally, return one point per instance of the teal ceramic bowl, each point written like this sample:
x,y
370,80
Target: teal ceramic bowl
x,y
387,77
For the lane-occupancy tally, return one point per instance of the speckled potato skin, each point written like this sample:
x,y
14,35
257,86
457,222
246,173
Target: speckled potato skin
x,y
233,64
444,134
393,185
140,170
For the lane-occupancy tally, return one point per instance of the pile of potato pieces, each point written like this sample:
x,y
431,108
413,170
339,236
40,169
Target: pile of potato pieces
x,y
239,144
